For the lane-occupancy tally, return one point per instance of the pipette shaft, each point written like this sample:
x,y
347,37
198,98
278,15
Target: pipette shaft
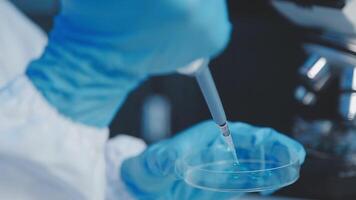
x,y
211,96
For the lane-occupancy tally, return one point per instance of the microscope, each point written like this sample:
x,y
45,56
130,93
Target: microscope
x,y
327,82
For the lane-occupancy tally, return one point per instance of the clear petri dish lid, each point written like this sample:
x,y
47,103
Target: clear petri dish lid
x,y
258,169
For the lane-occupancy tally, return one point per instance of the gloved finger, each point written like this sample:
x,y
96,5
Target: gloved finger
x,y
196,138
247,137
162,157
294,148
269,146
151,172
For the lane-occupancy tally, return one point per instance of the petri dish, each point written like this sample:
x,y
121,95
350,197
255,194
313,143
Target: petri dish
x,y
258,169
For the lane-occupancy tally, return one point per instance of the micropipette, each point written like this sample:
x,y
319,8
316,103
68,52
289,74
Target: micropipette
x,y
211,96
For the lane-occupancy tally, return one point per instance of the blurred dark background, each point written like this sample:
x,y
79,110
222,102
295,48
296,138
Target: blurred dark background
x,y
256,77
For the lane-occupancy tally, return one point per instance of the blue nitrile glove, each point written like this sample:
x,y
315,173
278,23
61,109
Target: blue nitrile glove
x,y
99,50
152,175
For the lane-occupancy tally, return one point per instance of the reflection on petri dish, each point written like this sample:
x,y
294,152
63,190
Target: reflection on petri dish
x,y
214,169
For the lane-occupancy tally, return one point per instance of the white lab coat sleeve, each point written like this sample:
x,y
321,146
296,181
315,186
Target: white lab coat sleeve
x,y
117,150
44,155
20,41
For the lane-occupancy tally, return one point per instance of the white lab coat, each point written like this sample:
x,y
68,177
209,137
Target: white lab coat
x,y
44,155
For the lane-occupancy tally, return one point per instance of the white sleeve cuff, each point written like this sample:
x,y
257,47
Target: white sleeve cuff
x,y
117,150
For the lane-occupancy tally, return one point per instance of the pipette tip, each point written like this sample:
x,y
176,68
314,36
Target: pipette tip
x,y
232,148
229,141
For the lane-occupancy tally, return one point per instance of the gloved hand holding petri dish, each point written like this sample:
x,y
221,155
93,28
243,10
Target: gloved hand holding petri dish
x,y
267,161
197,164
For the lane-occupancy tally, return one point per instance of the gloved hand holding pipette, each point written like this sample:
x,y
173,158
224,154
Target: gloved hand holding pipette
x,y
123,42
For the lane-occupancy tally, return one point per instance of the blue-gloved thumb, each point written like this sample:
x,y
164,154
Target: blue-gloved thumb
x,y
151,173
